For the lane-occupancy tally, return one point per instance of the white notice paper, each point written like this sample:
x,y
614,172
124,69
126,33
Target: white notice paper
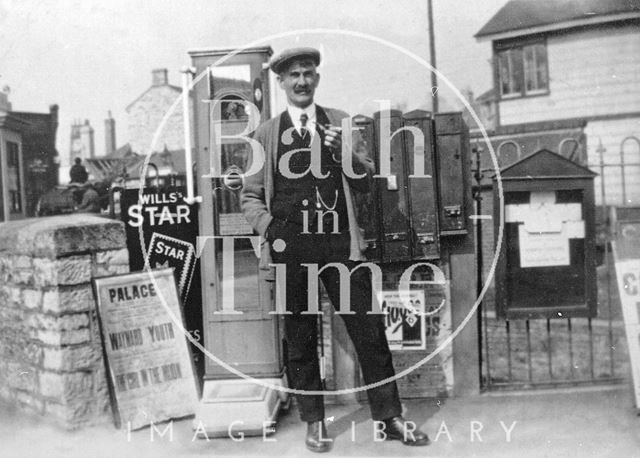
x,y
543,249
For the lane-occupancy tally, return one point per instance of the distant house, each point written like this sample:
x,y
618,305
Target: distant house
x,y
28,159
155,127
146,113
485,108
567,78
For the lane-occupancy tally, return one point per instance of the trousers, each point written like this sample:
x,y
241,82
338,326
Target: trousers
x,y
366,331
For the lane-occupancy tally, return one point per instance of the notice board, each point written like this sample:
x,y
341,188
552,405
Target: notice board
x,y
148,360
546,261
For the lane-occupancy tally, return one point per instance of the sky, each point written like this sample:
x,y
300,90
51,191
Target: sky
x,y
92,56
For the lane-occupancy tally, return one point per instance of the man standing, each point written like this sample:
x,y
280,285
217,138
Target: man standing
x,y
78,173
307,216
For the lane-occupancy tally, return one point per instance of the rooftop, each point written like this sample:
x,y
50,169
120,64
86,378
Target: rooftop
x,y
543,15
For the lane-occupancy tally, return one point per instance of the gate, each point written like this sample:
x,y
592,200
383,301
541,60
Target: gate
x,y
552,352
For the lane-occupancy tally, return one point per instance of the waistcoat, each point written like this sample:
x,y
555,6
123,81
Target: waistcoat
x,y
314,195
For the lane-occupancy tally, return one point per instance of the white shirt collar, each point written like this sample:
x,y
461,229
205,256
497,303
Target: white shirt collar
x,y
295,112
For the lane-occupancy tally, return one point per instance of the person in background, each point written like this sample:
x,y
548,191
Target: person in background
x,y
90,200
78,173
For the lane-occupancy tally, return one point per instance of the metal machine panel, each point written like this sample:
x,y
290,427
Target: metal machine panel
x,y
422,189
368,204
453,159
393,194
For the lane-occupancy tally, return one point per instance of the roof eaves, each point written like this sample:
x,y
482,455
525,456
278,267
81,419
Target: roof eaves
x,y
555,26
170,86
11,121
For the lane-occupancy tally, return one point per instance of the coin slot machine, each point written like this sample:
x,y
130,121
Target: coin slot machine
x,y
452,150
401,221
231,99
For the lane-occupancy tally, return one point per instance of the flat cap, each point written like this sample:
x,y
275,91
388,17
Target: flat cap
x,y
280,60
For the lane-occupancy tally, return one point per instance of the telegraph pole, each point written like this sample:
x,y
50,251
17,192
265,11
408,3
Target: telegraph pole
x,y
432,58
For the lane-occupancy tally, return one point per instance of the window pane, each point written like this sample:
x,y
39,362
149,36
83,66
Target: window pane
x,y
541,65
503,69
510,71
530,74
523,69
517,71
535,67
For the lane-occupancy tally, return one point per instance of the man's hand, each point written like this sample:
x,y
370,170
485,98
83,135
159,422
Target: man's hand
x,y
333,139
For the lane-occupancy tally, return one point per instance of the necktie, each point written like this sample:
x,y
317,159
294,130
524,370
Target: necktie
x,y
303,125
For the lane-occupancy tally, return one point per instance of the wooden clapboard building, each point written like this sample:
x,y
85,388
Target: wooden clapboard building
x,y
567,78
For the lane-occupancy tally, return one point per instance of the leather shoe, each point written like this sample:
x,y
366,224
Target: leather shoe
x,y
397,428
317,439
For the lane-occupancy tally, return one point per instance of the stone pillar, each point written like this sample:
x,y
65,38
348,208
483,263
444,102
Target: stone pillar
x,y
50,349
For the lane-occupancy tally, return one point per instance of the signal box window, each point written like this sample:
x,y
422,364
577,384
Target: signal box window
x,y
522,70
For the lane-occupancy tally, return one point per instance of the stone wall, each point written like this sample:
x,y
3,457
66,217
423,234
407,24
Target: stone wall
x,y
50,351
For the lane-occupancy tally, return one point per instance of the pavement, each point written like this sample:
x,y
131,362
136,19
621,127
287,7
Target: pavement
x,y
580,422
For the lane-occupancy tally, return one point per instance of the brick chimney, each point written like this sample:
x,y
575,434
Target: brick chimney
x,y
86,138
109,135
159,77
53,123
5,105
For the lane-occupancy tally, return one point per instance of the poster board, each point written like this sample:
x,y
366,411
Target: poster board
x,y
424,380
404,325
626,257
628,275
148,361
167,222
166,251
